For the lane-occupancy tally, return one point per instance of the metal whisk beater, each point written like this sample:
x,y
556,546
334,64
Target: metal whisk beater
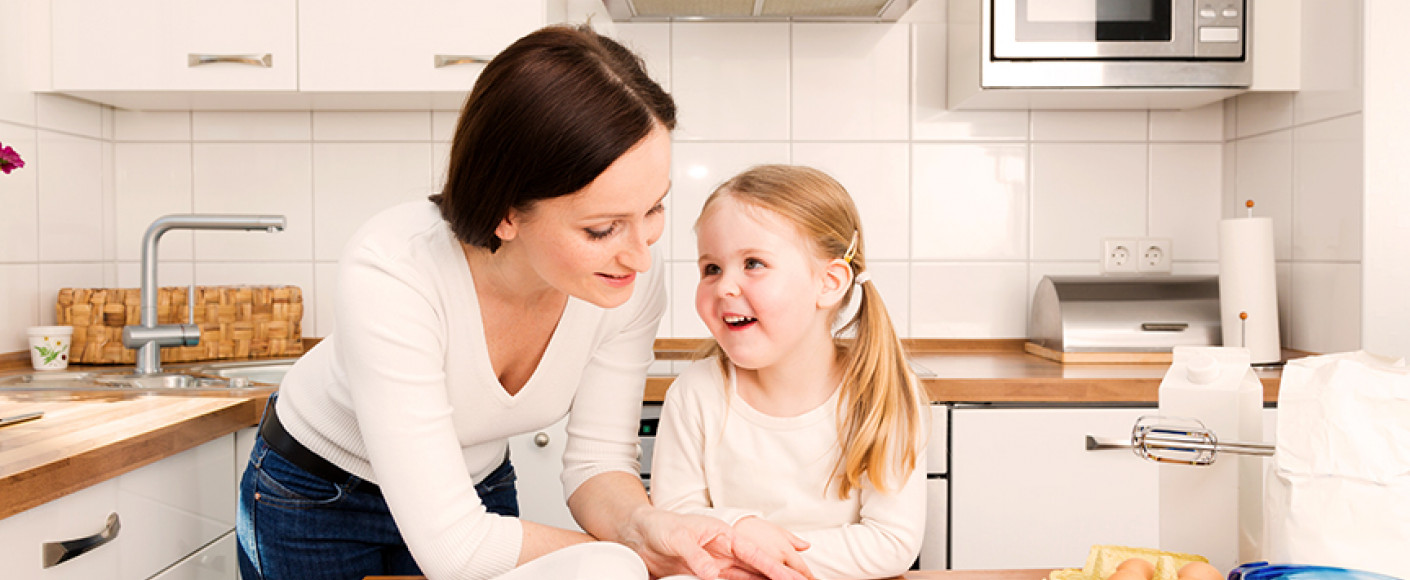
x,y
1185,441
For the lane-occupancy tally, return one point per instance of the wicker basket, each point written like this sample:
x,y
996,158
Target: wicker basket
x,y
235,321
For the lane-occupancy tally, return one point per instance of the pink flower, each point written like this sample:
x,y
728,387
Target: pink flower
x,y
9,159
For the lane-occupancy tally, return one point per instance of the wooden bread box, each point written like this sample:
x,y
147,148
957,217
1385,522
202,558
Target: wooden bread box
x,y
236,322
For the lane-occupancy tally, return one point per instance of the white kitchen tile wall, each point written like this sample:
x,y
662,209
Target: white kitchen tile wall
x,y
1204,124
354,181
19,304
153,180
1185,194
1332,72
1265,175
70,196
251,126
153,125
875,174
19,35
1084,192
1090,125
972,300
69,115
372,126
850,81
1300,157
169,273
651,40
965,210
731,80
256,178
1327,190
19,223
969,201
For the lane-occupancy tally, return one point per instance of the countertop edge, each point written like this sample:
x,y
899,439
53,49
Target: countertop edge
x,y
71,473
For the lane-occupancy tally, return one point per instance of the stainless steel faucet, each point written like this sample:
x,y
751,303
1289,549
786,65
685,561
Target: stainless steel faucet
x,y
149,338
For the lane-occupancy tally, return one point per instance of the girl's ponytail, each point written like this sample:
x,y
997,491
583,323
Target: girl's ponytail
x,y
881,417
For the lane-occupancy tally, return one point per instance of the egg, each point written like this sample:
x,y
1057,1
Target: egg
x,y
1140,566
1199,571
1127,574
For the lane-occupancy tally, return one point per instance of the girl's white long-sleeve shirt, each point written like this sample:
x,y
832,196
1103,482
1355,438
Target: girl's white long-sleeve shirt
x,y
403,394
716,455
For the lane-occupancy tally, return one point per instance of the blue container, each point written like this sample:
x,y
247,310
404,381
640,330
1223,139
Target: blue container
x,y
1266,571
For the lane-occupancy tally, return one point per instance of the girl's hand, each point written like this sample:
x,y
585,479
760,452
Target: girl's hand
x,y
764,546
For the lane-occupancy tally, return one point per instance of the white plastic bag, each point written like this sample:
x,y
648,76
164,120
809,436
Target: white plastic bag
x,y
1338,488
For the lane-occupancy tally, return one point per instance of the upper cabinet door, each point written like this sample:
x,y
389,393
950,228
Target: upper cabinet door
x,y
415,45
174,45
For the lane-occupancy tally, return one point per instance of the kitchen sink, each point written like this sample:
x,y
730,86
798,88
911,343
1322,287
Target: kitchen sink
x,y
255,373
161,383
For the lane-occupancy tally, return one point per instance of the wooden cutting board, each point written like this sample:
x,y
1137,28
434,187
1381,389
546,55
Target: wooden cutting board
x,y
1098,357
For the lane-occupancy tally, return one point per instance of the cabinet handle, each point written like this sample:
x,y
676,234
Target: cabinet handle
x,y
445,60
1095,443
56,553
541,439
265,60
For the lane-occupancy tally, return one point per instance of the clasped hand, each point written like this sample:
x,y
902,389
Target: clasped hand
x,y
708,548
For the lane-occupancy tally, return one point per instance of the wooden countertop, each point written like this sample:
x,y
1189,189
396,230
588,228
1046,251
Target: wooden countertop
x,y
88,437
999,371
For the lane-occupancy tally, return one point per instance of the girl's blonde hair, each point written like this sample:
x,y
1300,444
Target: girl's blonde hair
x,y
879,416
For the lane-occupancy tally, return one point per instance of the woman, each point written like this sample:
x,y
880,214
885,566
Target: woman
x,y
523,292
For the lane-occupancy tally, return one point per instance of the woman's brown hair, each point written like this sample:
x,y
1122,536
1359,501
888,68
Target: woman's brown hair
x,y
880,421
547,116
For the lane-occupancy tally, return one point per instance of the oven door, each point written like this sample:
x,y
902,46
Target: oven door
x,y
1094,29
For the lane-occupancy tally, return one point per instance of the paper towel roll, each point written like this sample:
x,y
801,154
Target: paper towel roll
x,y
1248,283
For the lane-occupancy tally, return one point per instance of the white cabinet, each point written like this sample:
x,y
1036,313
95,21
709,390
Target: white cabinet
x,y
538,463
407,47
162,45
216,561
287,54
166,511
1027,494
78,515
934,547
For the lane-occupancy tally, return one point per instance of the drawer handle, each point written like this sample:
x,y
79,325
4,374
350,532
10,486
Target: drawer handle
x,y
265,60
56,553
445,60
1095,443
541,439
1164,326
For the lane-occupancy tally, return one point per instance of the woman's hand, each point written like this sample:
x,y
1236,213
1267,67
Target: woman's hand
x,y
767,548
672,543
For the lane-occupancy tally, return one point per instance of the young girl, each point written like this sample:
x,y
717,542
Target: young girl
x,y
810,446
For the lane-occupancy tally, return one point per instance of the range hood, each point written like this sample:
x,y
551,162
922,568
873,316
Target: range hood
x,y
821,10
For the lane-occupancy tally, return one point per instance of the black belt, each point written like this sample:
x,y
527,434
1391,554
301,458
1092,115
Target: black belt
x,y
279,440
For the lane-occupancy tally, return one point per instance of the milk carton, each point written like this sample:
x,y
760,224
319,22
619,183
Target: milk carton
x,y
1214,510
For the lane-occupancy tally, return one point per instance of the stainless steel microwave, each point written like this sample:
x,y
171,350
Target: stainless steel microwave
x,y
1110,43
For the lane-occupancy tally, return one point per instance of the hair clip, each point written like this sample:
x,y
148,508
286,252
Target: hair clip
x,y
851,248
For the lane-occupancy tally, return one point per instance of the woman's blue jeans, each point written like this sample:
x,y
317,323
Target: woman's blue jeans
x,y
293,524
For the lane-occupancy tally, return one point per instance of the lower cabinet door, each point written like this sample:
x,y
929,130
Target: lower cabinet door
x,y
216,561
538,463
934,548
81,514
1026,493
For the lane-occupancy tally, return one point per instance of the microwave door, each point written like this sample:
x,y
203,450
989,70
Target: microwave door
x,y
1093,29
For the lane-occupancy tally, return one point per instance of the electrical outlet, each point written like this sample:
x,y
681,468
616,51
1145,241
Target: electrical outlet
x,y
1119,255
1154,255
